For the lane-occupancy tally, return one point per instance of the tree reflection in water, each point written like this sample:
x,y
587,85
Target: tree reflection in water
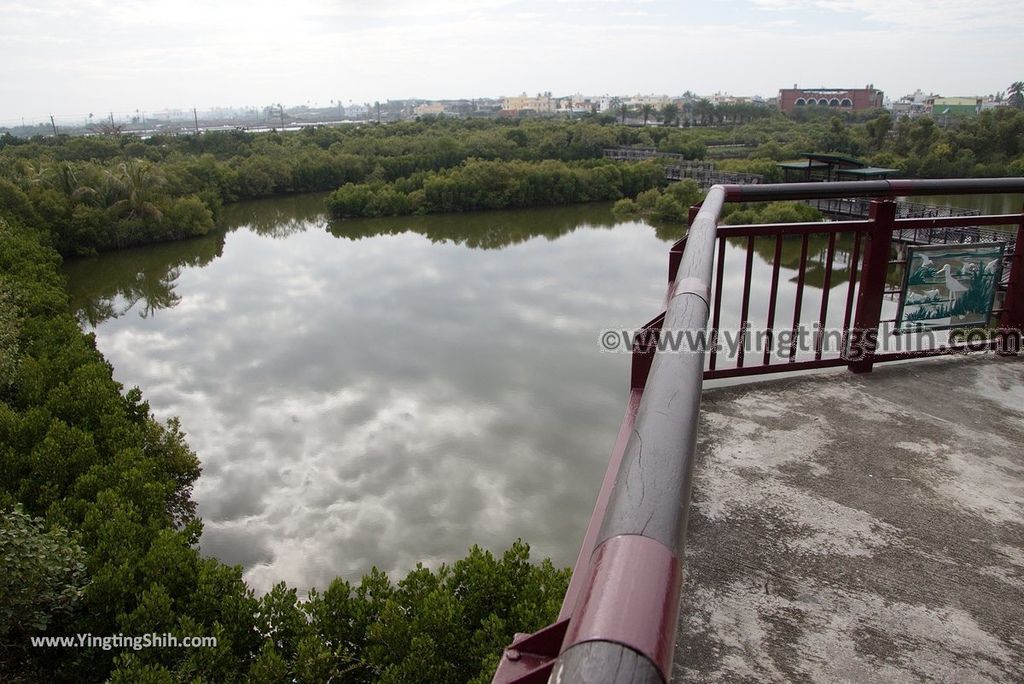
x,y
112,284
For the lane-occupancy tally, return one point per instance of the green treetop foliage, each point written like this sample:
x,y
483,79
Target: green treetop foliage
x,y
99,193
478,184
769,212
664,207
1015,94
42,573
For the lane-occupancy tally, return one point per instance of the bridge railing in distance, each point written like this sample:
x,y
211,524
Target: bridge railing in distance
x,y
619,616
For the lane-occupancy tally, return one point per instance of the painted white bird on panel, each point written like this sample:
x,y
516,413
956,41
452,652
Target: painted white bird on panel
x,y
952,284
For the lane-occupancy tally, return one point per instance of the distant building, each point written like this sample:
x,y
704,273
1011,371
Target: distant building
x,y
542,104
955,106
579,104
911,106
355,110
428,108
656,101
842,99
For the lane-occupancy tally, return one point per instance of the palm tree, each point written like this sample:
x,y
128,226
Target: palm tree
x,y
670,113
703,109
132,189
622,110
64,179
647,110
1015,94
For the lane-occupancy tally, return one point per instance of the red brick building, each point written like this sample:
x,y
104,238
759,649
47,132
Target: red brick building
x,y
843,99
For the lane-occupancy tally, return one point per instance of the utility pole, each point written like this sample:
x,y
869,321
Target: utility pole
x,y
281,107
52,123
378,111
195,117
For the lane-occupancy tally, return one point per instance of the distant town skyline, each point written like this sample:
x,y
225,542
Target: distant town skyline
x,y
71,58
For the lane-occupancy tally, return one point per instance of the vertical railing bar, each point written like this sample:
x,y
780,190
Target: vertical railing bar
x,y
854,264
717,315
799,298
826,286
772,296
745,306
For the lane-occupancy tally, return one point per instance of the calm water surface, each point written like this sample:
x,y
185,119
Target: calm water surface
x,y
384,392
988,204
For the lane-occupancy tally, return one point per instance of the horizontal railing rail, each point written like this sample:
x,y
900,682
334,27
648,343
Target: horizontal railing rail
x,y
891,189
619,616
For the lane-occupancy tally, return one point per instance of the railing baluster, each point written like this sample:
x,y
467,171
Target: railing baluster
x,y
854,259
826,286
716,318
772,296
799,298
745,306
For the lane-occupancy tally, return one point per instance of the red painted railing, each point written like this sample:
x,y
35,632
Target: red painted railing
x,y
618,619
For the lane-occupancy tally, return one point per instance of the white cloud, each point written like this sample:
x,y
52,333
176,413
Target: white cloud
x,y
74,58
915,15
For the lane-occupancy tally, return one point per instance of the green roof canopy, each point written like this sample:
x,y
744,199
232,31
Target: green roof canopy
x,y
868,172
802,165
833,159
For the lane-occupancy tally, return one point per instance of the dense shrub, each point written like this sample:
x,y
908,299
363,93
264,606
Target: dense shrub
x,y
670,205
772,212
478,185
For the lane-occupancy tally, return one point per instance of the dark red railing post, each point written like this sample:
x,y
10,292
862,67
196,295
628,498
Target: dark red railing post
x,y
692,214
1012,319
675,254
864,336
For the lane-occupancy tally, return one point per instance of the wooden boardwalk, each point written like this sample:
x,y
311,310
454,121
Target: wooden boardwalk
x,y
857,208
680,168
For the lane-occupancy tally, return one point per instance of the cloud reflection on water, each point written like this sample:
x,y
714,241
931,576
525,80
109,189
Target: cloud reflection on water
x,y
393,397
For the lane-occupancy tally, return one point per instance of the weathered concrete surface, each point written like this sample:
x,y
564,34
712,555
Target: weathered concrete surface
x,y
860,528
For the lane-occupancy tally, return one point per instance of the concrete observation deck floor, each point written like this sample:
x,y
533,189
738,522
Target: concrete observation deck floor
x,y
861,528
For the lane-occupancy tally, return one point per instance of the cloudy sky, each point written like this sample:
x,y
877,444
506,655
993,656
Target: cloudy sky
x,y
71,57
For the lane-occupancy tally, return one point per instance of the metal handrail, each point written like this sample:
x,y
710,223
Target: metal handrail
x,y
878,188
621,611
636,561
